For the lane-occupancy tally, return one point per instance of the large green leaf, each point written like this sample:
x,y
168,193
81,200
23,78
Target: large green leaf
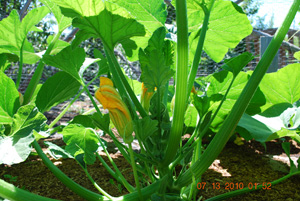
x,y
15,148
151,13
236,64
264,129
9,98
282,86
86,8
62,21
154,60
81,140
228,25
69,60
104,20
219,82
55,90
13,33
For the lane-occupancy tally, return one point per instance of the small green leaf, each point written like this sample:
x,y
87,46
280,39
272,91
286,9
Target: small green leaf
x,y
4,63
146,127
9,98
225,19
81,140
26,119
14,33
236,64
191,114
57,152
297,55
69,60
101,122
202,104
58,46
83,120
154,61
57,89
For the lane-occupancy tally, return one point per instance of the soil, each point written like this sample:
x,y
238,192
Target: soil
x,y
235,167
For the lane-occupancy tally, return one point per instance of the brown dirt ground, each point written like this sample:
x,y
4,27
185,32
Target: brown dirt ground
x,y
245,164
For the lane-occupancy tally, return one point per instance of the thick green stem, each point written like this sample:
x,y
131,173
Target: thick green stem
x,y
103,192
181,82
136,177
69,105
129,90
122,84
230,123
118,172
20,67
197,57
38,73
81,191
11,192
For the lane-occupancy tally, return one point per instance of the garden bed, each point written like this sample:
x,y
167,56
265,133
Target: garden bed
x,y
236,166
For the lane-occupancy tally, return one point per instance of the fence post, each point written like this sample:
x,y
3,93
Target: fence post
x,y
264,42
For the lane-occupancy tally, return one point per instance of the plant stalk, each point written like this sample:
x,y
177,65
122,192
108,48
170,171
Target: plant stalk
x,y
20,66
81,191
181,83
200,45
38,73
11,192
136,177
230,123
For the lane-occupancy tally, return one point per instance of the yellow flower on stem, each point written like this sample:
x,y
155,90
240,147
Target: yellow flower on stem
x,y
110,99
146,97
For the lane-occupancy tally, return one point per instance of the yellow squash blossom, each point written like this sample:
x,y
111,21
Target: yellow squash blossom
x,y
146,97
110,99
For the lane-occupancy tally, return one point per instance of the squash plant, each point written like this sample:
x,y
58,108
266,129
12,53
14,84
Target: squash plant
x,y
212,26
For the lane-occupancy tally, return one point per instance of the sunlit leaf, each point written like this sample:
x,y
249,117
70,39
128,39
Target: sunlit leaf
x,y
236,64
62,21
90,16
219,82
13,33
9,98
282,86
146,127
55,90
151,13
154,61
297,55
81,140
15,148
228,25
69,60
